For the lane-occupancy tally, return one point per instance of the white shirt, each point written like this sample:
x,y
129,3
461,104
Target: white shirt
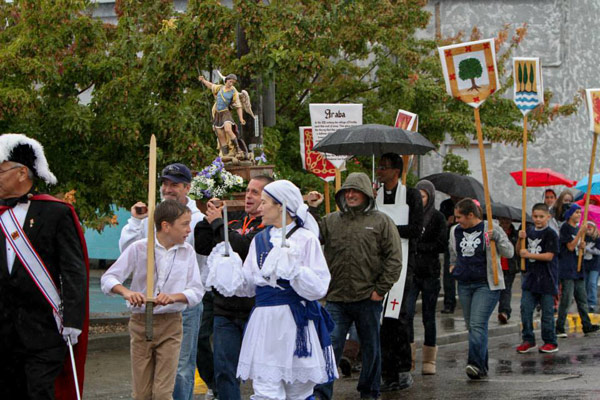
x,y
20,211
176,271
137,229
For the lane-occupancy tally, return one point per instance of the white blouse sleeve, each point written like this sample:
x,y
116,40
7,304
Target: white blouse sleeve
x,y
248,287
312,280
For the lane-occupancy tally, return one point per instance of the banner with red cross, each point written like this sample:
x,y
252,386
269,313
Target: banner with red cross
x,y
313,161
470,71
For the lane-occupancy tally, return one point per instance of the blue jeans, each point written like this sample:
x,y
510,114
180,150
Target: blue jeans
x,y
227,342
478,303
186,368
528,302
204,358
573,288
591,287
366,314
429,289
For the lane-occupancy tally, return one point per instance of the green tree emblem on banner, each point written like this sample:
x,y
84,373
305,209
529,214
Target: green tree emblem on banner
x,y
470,68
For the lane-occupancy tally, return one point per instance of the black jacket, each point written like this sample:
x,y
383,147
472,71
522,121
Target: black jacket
x,y
434,241
23,309
207,236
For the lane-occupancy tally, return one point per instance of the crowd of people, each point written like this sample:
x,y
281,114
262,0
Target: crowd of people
x,y
240,296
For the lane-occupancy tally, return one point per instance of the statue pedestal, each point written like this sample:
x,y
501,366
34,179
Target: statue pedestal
x,y
250,171
247,172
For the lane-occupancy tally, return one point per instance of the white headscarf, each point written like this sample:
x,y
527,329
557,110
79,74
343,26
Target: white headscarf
x,y
283,190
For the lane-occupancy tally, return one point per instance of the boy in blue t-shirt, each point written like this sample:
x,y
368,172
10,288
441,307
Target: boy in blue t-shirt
x,y
540,281
571,237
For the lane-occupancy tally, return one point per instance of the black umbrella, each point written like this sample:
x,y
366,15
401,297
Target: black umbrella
x,y
374,139
501,210
457,185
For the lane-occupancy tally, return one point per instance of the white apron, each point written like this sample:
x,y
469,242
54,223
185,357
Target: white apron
x,y
398,212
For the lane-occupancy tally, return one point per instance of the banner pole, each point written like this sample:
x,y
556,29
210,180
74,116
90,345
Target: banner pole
x,y
327,199
524,189
587,195
338,182
488,204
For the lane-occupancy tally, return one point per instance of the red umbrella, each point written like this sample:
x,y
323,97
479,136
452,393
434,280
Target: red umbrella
x,y
539,177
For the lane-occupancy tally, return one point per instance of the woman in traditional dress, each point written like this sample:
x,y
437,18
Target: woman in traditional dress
x,y
286,348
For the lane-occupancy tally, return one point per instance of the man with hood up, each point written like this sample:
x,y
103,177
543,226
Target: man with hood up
x,y
363,252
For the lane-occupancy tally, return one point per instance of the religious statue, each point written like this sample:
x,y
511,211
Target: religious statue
x,y
228,98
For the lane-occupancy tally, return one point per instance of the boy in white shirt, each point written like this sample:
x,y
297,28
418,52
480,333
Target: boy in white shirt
x,y
177,285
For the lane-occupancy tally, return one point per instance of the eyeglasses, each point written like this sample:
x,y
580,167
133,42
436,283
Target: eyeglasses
x,y
6,170
384,167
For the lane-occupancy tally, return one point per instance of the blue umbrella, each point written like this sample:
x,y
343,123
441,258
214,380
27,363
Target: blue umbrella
x,y
583,184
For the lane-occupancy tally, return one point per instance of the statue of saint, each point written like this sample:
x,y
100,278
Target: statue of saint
x,y
227,98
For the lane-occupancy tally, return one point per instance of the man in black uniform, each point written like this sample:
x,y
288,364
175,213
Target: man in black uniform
x,y
37,317
230,313
395,333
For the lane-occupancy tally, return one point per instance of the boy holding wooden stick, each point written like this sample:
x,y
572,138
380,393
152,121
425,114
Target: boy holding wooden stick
x,y
177,285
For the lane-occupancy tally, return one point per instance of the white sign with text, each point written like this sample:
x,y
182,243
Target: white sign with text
x,y
327,118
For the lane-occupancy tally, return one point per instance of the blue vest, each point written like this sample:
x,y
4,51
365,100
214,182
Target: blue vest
x,y
269,296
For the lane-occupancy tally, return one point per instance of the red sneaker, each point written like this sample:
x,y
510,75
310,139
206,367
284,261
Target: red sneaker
x,y
526,347
549,348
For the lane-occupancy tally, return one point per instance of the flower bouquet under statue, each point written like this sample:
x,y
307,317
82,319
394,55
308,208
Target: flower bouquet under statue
x,y
215,181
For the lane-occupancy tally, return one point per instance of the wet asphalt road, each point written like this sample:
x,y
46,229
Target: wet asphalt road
x,y
572,373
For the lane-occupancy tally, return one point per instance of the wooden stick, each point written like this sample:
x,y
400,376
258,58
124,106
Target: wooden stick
x,y
150,249
488,203
338,182
406,165
587,196
524,189
327,200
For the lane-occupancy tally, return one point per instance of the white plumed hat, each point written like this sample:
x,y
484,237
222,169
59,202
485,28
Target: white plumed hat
x,y
21,149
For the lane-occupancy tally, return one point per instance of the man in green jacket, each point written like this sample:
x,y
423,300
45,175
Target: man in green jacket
x,y
362,248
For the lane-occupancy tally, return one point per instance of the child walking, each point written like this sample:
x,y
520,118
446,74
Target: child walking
x,y
177,284
540,280
571,280
591,265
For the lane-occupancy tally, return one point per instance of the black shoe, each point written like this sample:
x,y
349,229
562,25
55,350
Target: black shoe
x,y
592,330
503,318
390,386
405,380
447,310
474,373
345,367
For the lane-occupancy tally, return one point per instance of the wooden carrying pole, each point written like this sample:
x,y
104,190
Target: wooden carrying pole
x,y
338,182
524,189
488,203
587,196
150,250
327,200
406,165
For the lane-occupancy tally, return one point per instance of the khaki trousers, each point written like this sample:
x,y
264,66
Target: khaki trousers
x,y
154,363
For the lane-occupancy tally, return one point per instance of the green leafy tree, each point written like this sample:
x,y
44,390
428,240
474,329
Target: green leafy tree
x,y
455,163
470,68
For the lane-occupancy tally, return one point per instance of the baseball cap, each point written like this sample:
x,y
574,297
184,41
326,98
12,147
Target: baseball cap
x,y
177,173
